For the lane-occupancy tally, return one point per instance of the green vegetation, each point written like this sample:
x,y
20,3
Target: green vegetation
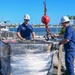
x,y
62,31
72,18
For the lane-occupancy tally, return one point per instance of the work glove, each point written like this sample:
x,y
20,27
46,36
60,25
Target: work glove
x,y
60,42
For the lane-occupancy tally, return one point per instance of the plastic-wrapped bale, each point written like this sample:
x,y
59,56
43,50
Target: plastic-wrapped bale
x,y
5,59
1,46
28,59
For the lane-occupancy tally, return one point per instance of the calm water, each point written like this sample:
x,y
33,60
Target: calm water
x,y
41,31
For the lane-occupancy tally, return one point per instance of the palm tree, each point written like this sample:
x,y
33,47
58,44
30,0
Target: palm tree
x,y
70,17
74,20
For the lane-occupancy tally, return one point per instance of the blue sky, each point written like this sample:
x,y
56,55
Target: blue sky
x,y
14,10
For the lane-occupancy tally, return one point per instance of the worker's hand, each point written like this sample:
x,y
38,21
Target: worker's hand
x,y
54,35
60,43
34,40
23,39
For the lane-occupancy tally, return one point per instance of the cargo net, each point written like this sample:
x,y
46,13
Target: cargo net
x,y
27,59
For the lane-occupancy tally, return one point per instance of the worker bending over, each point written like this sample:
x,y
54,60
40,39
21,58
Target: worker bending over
x,y
25,30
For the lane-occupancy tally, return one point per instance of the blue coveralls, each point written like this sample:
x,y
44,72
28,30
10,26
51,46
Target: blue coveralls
x,y
25,31
69,50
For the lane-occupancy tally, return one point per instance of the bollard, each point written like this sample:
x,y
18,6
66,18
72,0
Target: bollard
x,y
59,60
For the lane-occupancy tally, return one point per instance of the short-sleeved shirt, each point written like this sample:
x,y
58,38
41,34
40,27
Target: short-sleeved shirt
x,y
25,31
70,35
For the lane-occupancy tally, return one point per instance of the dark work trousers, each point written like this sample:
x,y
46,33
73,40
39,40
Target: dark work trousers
x,y
69,62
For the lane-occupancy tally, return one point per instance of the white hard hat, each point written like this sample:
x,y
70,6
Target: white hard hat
x,y
27,17
64,19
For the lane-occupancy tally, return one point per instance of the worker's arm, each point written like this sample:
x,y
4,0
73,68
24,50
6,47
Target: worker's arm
x,y
58,36
19,35
64,41
33,35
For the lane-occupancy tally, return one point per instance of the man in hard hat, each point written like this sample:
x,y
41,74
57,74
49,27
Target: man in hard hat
x,y
25,30
69,45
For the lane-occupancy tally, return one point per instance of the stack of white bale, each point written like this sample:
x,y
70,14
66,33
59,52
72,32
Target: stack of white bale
x,y
27,59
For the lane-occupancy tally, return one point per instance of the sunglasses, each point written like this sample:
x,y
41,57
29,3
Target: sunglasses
x,y
26,20
65,22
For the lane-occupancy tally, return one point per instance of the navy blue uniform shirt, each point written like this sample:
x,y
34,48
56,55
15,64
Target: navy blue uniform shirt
x,y
70,35
25,31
